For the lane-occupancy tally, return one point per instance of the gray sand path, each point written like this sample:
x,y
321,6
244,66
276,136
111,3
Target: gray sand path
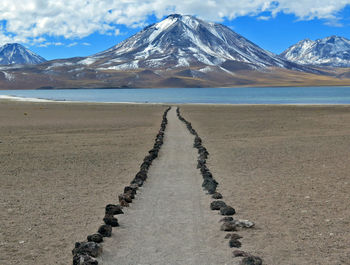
x,y
170,221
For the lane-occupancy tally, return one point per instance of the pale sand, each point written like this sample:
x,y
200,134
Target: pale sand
x,y
287,169
60,164
170,222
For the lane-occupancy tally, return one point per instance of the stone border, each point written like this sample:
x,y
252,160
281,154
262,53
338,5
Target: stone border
x,y
210,184
84,253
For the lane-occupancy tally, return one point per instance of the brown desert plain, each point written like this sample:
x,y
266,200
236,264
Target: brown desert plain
x,y
60,164
287,169
284,167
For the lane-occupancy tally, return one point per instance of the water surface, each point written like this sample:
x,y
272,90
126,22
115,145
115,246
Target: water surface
x,y
247,95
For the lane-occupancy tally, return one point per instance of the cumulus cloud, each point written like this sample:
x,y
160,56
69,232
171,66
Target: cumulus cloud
x,y
263,18
72,44
46,44
31,19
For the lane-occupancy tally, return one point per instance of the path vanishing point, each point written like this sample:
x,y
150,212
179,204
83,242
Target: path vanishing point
x,y
170,221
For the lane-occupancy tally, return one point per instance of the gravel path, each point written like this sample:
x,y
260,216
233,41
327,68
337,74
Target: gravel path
x,y
170,221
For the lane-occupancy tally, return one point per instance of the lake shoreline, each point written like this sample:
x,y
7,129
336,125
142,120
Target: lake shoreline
x,y
197,96
39,100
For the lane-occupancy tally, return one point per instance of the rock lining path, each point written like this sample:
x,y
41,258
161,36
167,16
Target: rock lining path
x,y
170,221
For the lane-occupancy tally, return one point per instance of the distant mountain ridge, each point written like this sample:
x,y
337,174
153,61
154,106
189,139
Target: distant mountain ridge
x,y
14,53
186,41
331,51
179,51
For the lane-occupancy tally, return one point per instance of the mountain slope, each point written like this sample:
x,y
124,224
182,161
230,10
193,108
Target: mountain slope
x,y
14,53
331,51
185,41
180,51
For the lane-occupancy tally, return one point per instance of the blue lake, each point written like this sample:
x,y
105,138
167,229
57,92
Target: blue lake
x,y
247,95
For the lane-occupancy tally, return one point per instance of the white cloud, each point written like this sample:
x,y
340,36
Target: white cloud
x,y
46,44
31,19
263,18
72,44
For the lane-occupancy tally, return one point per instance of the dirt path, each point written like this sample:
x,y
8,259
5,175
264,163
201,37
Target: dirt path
x,y
170,221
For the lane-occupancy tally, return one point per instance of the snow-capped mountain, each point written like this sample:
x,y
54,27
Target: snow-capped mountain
x,y
185,41
330,51
14,53
179,51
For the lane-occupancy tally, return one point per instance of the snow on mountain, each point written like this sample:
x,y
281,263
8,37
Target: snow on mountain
x,y
14,53
330,51
184,41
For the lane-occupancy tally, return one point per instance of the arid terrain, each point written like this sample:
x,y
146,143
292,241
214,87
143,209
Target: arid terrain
x,y
287,169
36,77
60,164
283,167
170,222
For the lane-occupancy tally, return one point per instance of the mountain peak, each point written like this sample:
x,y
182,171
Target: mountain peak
x,y
188,20
330,51
174,16
13,44
307,40
15,53
333,37
185,41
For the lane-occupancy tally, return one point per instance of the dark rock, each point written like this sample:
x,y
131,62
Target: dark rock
x,y
153,153
240,253
130,194
206,174
217,205
125,197
129,189
124,203
233,236
210,185
112,209
141,175
211,188
228,210
228,236
227,219
236,236
145,166
228,226
134,186
201,163
105,230
87,248
234,243
97,238
148,158
251,260
82,259
204,169
111,220
138,182
217,196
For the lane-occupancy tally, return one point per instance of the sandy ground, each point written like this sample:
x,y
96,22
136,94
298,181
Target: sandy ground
x,y
170,222
284,167
287,169
60,164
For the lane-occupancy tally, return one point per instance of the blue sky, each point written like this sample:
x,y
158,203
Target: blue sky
x,y
62,29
